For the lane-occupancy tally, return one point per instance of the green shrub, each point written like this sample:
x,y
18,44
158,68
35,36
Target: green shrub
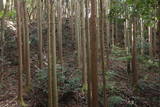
x,y
114,101
65,82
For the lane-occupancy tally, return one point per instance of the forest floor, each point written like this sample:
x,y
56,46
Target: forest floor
x,y
71,92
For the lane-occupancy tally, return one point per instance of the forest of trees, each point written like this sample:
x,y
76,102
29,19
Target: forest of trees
x,y
79,53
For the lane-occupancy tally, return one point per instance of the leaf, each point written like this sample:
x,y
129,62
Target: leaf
x,y
1,14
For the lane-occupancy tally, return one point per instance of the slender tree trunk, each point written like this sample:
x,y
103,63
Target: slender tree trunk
x,y
134,59
83,44
107,25
78,35
158,34
27,47
50,97
72,20
142,37
88,54
1,5
150,41
59,28
154,39
2,36
93,42
20,68
102,33
52,78
116,32
40,44
53,57
23,37
125,35
113,33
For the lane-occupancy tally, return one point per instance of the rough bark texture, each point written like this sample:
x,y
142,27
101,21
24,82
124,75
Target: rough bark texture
x,y
93,42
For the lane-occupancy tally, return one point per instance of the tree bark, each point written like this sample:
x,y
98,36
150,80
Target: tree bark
x,y
93,43
87,33
40,44
20,67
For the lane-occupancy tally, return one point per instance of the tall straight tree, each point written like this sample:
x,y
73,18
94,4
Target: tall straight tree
x,y
53,51
27,46
150,40
2,35
1,5
52,80
134,58
39,14
19,39
87,33
59,28
93,44
78,34
142,36
50,97
158,33
83,43
102,33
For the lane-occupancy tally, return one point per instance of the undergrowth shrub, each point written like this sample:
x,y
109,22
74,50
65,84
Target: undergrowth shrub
x,y
115,101
68,82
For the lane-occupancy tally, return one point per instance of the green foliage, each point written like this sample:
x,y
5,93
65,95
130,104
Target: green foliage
x,y
68,83
139,45
142,59
125,58
10,14
111,86
118,51
65,82
144,9
71,85
42,74
114,101
110,74
153,66
1,14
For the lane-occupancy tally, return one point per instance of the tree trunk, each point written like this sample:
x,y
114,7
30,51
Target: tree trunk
x,y
113,33
89,82
20,68
40,44
158,34
53,57
102,33
150,40
142,36
1,5
83,45
78,35
93,42
50,97
134,59
27,50
59,28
